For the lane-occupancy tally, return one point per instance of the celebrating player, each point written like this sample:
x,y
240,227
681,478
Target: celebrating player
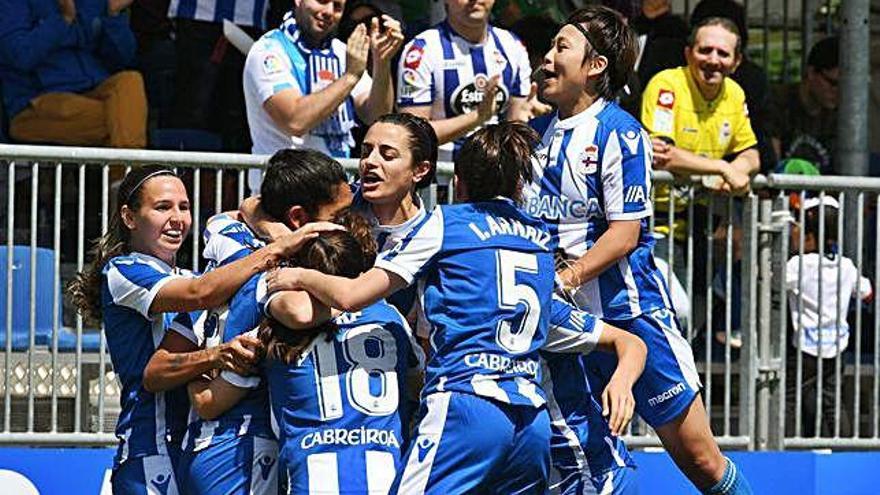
x,y
343,393
592,186
134,286
231,447
488,274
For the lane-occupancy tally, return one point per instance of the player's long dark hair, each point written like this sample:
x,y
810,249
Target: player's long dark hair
x,y
344,253
422,141
496,161
611,37
85,289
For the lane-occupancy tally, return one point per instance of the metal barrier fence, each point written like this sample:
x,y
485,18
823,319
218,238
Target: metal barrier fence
x,y
729,257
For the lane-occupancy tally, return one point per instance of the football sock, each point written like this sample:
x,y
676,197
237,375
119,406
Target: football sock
x,y
732,482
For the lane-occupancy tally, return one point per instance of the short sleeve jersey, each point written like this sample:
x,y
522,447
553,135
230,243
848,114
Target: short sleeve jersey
x,y
387,236
581,441
441,69
589,170
487,273
148,421
343,409
227,240
673,107
279,61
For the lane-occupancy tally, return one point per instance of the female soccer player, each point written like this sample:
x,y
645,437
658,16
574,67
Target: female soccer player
x,y
591,184
343,393
488,274
134,287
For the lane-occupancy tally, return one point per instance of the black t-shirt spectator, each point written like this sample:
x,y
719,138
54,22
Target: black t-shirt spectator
x,y
802,134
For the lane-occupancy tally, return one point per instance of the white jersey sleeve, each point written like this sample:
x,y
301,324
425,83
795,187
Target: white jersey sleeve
x,y
184,325
414,253
240,381
134,282
571,330
415,81
269,69
626,174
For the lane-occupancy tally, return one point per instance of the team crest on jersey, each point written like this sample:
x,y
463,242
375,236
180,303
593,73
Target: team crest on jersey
x,y
666,98
272,64
413,57
466,97
589,159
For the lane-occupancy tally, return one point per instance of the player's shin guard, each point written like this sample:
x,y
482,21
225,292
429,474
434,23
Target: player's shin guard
x,y
732,482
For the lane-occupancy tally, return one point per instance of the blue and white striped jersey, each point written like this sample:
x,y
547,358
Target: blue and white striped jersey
x,y
227,240
148,423
387,236
581,441
444,70
488,281
241,12
592,169
343,410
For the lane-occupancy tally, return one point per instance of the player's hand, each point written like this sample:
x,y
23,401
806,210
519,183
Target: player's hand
x,y
386,38
288,244
357,50
735,182
67,8
488,107
618,405
284,279
238,355
533,107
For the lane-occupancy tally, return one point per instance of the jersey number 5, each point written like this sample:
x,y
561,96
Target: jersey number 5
x,y
511,294
371,352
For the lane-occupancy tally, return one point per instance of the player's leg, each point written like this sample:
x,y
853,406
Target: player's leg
x,y
459,441
145,475
526,467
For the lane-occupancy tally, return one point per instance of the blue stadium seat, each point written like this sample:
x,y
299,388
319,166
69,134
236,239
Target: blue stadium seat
x,y
185,140
21,279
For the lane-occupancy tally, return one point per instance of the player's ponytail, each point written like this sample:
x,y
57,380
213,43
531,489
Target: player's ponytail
x,y
496,161
344,253
85,289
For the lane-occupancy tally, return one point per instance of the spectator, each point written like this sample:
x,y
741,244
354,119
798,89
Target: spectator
x,y
209,68
820,333
464,73
803,116
302,85
662,39
698,120
749,75
61,68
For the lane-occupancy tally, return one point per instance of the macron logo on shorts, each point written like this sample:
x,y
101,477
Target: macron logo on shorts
x,y
161,482
266,463
424,444
665,396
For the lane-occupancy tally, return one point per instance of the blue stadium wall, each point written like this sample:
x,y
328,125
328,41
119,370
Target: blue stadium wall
x,y
85,471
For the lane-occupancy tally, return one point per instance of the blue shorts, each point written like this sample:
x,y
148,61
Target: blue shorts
x,y
467,444
670,381
247,465
146,475
620,481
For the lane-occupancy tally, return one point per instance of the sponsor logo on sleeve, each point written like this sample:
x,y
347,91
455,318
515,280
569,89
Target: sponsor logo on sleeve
x,y
272,64
413,57
666,98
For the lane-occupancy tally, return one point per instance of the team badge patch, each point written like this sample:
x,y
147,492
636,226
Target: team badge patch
x,y
408,87
413,57
666,98
589,159
500,60
272,64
